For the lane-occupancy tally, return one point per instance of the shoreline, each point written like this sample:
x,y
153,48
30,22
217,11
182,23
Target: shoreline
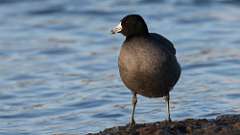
x,y
228,124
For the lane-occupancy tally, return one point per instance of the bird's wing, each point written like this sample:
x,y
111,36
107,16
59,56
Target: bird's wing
x,y
164,42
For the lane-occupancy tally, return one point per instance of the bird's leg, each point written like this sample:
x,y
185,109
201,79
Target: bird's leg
x,y
134,102
167,99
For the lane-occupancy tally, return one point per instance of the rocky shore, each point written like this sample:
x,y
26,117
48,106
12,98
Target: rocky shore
x,y
222,125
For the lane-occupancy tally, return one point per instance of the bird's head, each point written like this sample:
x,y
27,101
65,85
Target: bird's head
x,y
131,25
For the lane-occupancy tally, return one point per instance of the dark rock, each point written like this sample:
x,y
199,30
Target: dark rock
x,y
222,125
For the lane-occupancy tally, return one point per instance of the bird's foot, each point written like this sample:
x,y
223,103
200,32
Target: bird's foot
x,y
169,120
132,124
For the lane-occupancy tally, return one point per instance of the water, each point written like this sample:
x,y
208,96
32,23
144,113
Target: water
x,y
59,70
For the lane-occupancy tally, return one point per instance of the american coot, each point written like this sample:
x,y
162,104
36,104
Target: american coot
x,y
147,61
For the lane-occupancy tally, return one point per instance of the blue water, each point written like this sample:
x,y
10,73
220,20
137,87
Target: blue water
x,y
59,74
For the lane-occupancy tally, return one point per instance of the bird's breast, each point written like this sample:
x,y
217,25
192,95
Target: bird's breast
x,y
141,59
139,68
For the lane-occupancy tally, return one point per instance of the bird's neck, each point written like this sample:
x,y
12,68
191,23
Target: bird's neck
x,y
136,35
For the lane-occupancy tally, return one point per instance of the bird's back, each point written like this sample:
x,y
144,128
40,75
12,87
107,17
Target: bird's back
x,y
164,42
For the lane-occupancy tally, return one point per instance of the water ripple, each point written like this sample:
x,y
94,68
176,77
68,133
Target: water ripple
x,y
59,72
47,10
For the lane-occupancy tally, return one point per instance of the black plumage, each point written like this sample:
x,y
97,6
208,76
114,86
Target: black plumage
x,y
147,62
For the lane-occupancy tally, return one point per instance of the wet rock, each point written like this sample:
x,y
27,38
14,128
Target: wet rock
x,y
222,125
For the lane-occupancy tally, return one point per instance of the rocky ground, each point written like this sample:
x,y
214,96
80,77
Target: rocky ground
x,y
222,125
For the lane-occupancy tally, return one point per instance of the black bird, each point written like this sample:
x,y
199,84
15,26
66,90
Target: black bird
x,y
147,62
